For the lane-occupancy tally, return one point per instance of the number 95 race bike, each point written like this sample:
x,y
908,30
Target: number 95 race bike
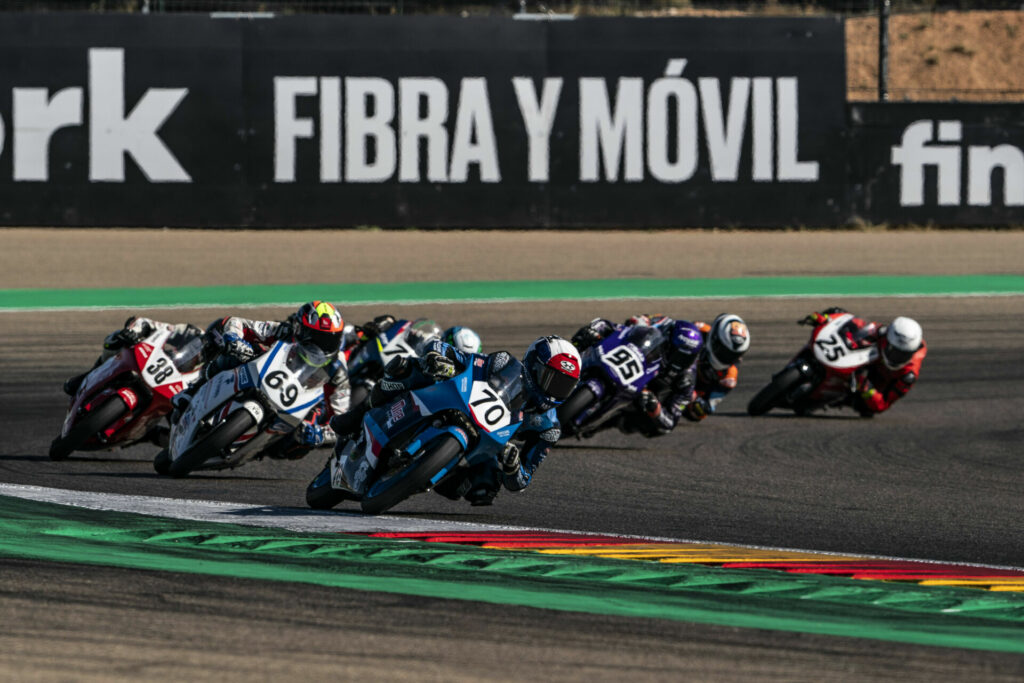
x,y
614,372
122,401
241,414
823,374
421,437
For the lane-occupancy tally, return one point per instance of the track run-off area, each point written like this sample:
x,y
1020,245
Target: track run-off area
x,y
775,547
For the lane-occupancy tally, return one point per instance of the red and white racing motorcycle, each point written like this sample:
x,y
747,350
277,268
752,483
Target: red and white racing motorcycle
x,y
824,372
124,399
242,414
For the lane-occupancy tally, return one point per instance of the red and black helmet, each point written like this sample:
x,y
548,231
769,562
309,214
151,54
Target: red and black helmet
x,y
320,323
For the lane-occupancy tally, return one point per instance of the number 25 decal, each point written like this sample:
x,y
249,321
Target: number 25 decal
x,y
832,348
488,408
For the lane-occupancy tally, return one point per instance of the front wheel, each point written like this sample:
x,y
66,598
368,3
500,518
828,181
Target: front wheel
x,y
162,462
772,396
421,474
93,422
213,444
573,407
320,495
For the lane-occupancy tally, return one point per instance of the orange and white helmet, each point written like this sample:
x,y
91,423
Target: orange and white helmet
x,y
320,323
727,341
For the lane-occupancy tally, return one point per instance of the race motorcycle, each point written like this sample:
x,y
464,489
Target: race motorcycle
x,y
367,361
123,400
247,412
823,374
422,437
614,371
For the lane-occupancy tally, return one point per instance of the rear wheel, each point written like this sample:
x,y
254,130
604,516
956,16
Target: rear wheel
x,y
93,422
420,475
573,407
772,395
213,444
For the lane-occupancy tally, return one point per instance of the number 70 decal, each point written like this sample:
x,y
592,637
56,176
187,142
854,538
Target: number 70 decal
x,y
488,409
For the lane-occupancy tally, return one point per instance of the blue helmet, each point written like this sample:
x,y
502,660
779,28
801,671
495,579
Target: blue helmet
x,y
685,344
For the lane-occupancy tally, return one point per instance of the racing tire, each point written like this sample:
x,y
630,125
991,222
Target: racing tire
x,y
213,444
580,400
385,493
94,421
771,396
162,462
320,495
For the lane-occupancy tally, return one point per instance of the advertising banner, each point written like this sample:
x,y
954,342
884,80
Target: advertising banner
x,y
125,120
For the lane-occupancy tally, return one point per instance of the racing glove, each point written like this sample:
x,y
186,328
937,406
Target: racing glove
x,y
437,366
814,319
285,330
510,459
648,402
697,410
238,348
379,324
585,337
314,435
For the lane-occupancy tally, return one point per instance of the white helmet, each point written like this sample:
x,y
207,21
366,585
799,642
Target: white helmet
x,y
728,339
462,338
902,341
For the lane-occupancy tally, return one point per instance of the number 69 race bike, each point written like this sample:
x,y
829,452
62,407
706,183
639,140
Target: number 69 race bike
x,y
823,373
421,437
614,372
123,400
241,414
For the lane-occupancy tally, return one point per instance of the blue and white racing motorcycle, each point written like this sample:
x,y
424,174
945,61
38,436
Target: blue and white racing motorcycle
x,y
241,414
423,436
615,370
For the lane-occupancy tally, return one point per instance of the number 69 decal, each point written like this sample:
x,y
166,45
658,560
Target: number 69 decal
x,y
489,411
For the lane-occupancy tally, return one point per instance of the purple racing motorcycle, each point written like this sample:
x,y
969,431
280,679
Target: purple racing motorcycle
x,y
614,371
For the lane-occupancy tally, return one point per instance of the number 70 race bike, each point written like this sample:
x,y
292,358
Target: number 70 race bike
x,y
243,413
422,436
823,373
614,372
123,400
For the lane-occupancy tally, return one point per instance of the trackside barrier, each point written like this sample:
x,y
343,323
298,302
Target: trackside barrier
x,y
192,120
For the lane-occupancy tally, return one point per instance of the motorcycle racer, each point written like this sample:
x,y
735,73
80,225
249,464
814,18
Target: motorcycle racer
x,y
135,329
316,322
901,352
551,369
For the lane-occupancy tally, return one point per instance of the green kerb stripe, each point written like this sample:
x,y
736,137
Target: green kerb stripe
x,y
684,592
515,290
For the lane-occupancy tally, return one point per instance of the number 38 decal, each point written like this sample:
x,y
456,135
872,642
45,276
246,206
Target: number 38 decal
x,y
489,411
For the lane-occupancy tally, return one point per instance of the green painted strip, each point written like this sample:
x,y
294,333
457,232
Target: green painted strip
x,y
745,598
526,290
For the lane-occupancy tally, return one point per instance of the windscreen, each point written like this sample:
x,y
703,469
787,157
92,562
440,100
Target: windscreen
x,y
308,363
507,381
649,340
188,357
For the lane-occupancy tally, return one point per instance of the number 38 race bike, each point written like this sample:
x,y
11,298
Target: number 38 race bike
x,y
421,437
123,400
614,372
246,412
823,374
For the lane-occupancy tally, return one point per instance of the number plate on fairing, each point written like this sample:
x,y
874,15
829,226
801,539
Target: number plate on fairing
x,y
488,409
832,350
626,362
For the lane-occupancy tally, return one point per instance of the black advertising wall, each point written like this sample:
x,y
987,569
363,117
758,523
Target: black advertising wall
x,y
421,121
943,164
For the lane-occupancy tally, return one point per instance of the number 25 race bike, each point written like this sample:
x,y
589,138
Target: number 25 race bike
x,y
243,413
421,437
614,372
823,373
123,400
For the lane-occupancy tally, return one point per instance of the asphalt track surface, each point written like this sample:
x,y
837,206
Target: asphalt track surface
x,y
939,477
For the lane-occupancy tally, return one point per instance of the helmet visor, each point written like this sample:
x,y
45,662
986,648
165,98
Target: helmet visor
x,y
722,352
328,342
896,358
555,383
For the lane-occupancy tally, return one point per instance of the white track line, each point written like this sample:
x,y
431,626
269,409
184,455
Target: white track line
x,y
315,521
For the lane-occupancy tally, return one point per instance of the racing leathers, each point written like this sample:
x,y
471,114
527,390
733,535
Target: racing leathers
x,y
712,385
242,339
479,485
659,406
877,385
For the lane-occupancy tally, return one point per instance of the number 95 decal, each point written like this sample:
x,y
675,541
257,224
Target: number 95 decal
x,y
626,363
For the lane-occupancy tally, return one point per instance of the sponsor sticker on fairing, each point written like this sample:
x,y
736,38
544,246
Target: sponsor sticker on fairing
x,y
398,410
